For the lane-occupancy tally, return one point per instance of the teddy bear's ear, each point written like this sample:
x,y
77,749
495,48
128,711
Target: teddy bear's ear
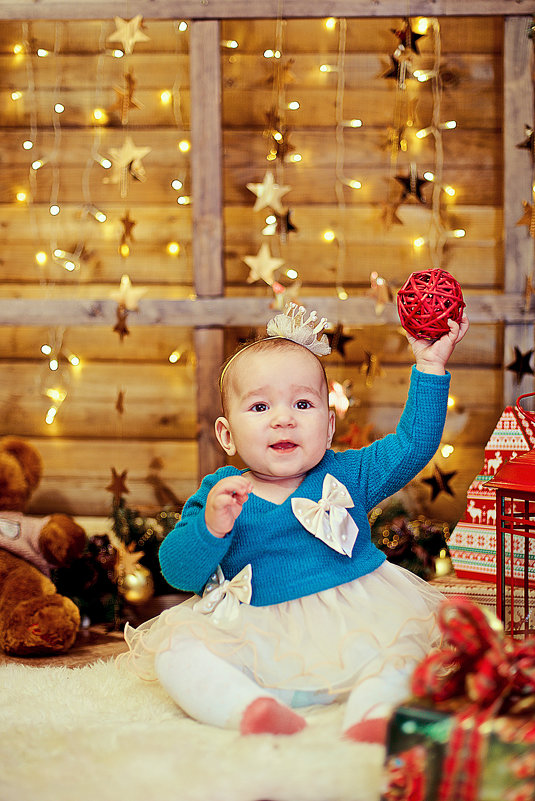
x,y
27,456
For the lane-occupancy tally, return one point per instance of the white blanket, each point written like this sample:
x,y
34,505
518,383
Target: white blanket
x,y
98,733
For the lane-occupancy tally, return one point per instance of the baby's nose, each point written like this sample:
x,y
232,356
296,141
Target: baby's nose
x,y
283,416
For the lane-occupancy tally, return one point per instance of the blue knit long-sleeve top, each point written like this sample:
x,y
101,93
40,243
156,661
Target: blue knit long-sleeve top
x,y
287,561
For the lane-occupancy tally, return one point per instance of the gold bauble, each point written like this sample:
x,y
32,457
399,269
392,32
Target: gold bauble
x,y
137,586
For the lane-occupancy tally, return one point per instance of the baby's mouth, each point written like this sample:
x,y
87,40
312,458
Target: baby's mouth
x,y
283,445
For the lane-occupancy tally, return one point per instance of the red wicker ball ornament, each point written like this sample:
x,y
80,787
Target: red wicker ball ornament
x,y
427,301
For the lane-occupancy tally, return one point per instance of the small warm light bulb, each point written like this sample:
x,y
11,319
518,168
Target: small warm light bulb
x,y
69,265
356,123
174,356
59,254
41,257
449,125
37,164
184,145
42,53
423,132
183,200
355,184
458,233
232,44
330,23
449,190
451,401
325,68
18,48
56,395
176,184
272,155
53,364
342,294
277,136
27,144
16,95
104,162
329,236
100,216
166,97
74,359
447,450
291,273
422,25
429,176
173,248
182,26
268,54
21,197
59,108
271,219
49,419
419,242
99,115
124,250
293,105
54,210
46,349
296,157
117,53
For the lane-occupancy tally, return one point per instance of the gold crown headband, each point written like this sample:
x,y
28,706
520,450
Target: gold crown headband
x,y
292,325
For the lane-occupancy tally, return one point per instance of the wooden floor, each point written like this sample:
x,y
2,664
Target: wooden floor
x,y
91,645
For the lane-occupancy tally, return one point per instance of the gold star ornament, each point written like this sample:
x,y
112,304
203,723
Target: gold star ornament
x,y
127,296
262,266
128,32
269,194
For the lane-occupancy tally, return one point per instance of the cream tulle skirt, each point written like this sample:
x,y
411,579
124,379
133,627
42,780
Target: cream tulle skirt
x,y
322,644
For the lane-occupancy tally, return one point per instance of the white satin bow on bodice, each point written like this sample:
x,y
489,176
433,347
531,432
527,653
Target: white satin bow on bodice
x,y
223,601
328,519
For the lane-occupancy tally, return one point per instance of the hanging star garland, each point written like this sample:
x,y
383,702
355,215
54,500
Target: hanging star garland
x,y
128,32
529,141
128,227
125,99
117,485
262,266
127,296
120,326
412,185
528,218
127,160
338,340
521,364
268,194
389,215
357,436
282,226
408,39
439,482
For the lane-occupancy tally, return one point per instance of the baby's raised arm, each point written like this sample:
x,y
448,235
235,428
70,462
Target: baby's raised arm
x,y
224,504
432,357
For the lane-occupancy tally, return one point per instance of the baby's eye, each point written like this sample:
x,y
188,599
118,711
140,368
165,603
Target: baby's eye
x,y
259,407
303,404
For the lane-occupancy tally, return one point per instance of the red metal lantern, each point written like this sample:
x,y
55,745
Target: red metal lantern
x,y
514,483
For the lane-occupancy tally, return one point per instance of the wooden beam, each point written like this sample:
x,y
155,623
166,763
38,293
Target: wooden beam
x,y
250,9
207,233
238,311
519,246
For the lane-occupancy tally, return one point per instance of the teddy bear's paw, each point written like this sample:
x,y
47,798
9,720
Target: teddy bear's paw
x,y
50,627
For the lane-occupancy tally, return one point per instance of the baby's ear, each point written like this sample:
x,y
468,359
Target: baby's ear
x,y
224,436
330,430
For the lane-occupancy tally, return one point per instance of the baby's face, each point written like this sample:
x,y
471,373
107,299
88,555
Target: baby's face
x,y
278,412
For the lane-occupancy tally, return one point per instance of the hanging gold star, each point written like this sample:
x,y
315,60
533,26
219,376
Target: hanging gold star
x,y
128,227
125,100
128,33
439,482
408,39
263,265
120,326
117,485
412,185
528,218
268,193
389,215
127,160
127,296
127,562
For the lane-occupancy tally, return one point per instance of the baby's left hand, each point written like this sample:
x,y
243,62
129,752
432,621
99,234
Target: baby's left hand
x,y
432,357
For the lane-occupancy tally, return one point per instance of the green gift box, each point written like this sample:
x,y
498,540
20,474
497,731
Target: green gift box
x,y
443,752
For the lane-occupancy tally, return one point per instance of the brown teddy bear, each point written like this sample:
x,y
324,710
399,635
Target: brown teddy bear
x,y
34,618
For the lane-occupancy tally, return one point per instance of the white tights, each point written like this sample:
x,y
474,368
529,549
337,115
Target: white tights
x,y
217,693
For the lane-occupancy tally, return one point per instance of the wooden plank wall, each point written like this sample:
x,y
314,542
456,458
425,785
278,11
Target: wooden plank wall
x,y
167,406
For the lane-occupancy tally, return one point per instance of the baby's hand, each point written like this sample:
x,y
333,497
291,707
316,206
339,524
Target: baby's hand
x,y
432,357
224,504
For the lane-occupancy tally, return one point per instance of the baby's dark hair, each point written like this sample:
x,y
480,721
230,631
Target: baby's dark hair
x,y
257,346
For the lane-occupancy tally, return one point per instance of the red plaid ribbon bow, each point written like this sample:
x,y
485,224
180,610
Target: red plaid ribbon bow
x,y
494,673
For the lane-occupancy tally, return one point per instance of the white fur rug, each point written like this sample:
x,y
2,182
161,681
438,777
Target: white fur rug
x,y
98,733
